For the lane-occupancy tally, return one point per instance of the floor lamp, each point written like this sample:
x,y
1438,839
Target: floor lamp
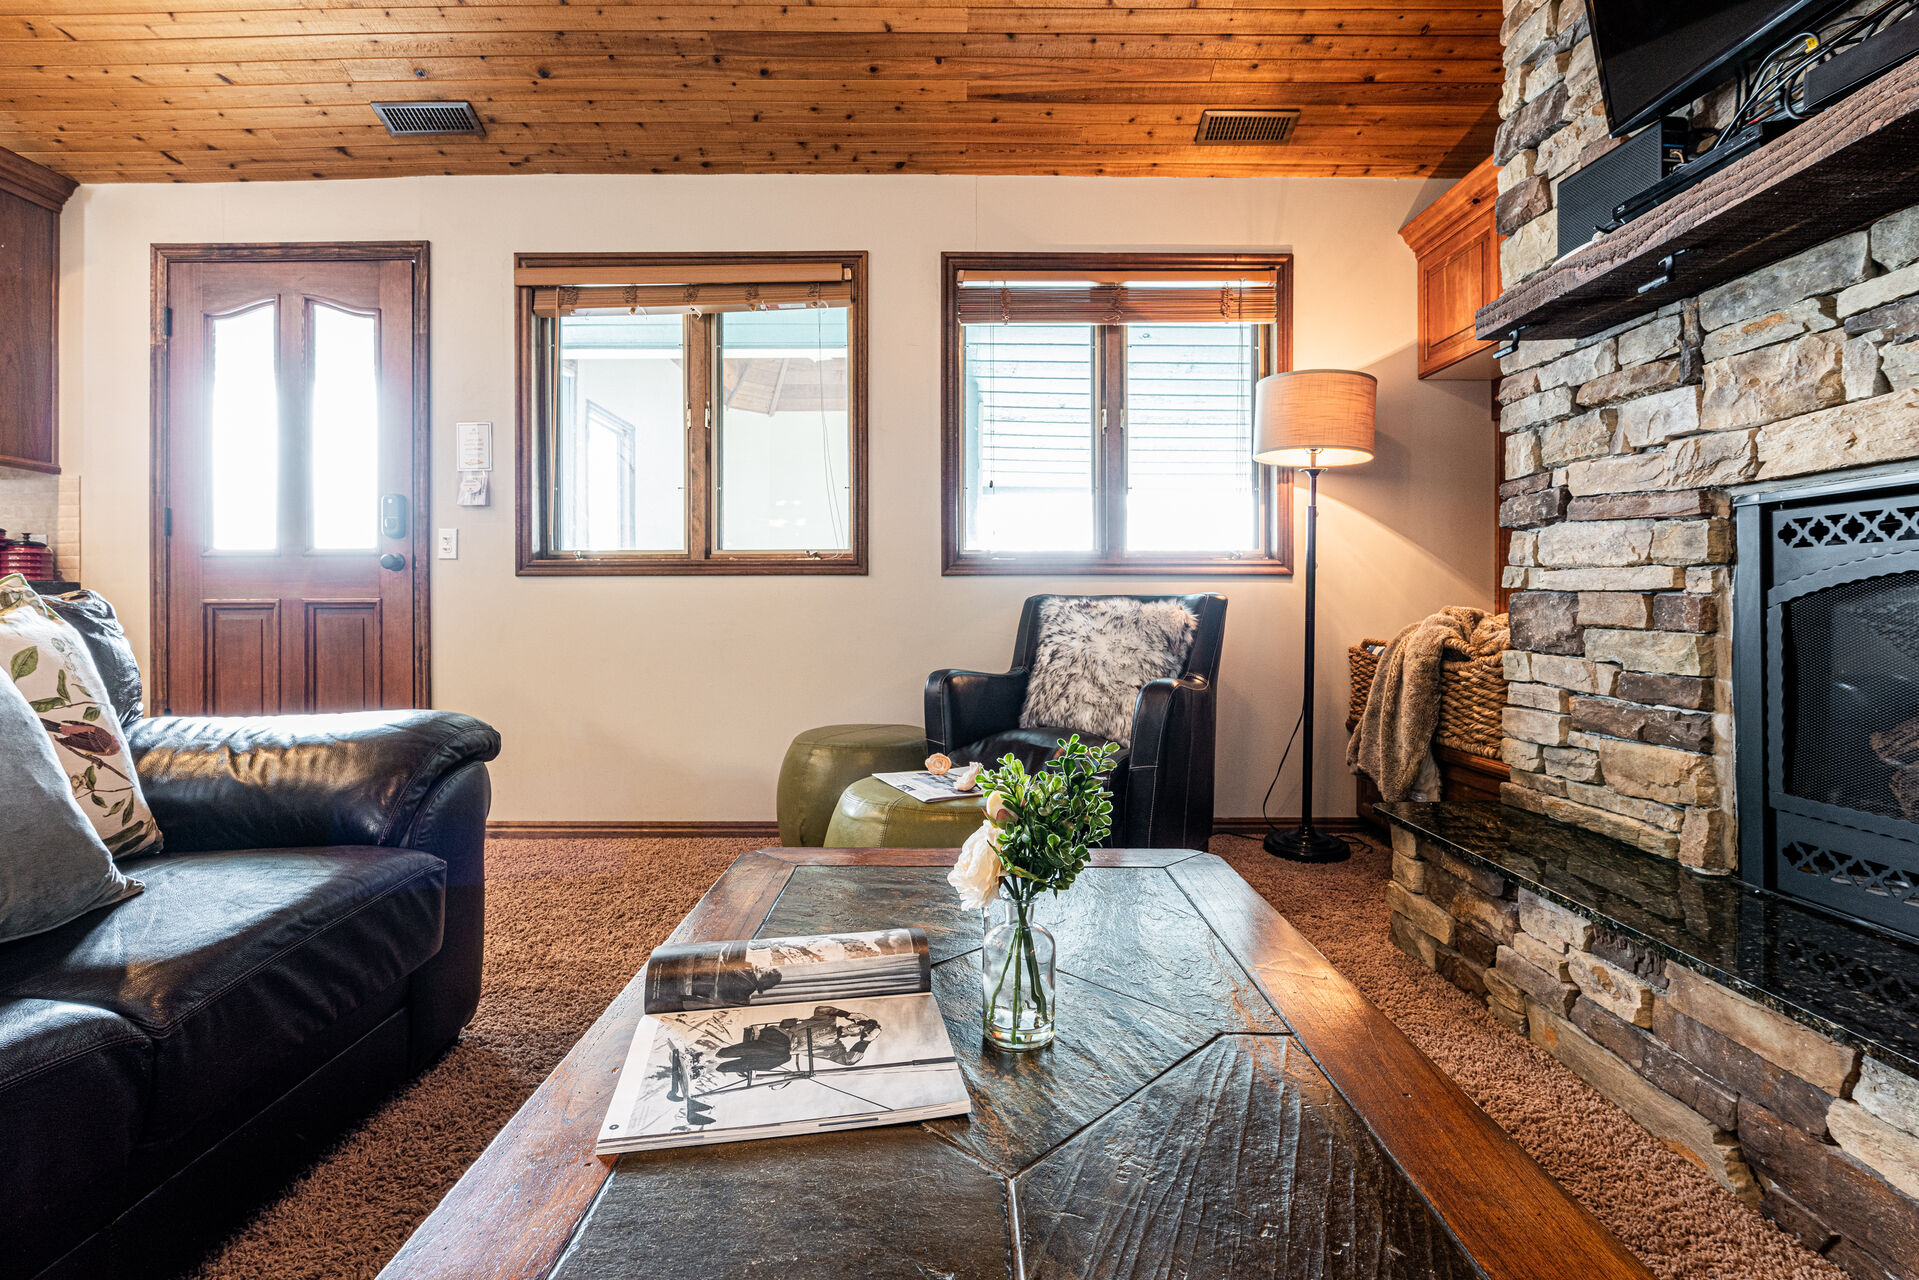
x,y
1312,419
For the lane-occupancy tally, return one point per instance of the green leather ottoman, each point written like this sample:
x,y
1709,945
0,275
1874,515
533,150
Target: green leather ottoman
x,y
821,762
873,815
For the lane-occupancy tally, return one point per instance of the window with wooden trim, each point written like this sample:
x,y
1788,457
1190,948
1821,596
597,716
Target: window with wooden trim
x,y
692,414
1098,413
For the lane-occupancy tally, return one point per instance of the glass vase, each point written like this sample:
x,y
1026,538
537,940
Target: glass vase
x,y
1016,972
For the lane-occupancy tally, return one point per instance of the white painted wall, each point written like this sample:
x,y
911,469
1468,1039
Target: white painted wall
x,y
673,698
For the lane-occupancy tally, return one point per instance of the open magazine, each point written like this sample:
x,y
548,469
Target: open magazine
x,y
928,788
769,1037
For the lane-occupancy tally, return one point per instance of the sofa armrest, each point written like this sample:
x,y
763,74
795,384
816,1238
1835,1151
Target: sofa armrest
x,y
271,782
412,779
1169,784
450,824
965,706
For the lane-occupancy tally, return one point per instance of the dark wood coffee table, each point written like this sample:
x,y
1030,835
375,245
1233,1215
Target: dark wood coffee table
x,y
1220,1102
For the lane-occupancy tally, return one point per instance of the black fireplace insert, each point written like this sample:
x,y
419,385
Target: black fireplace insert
x,y
1826,695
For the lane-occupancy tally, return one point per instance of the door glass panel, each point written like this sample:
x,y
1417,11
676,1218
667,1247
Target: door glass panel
x,y
245,428
1189,437
783,431
1029,437
345,430
620,446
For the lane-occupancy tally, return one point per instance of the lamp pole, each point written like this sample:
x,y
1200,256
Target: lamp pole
x,y
1312,419
1303,843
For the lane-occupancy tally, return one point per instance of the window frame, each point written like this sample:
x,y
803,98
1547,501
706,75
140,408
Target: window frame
x,y
1274,555
537,424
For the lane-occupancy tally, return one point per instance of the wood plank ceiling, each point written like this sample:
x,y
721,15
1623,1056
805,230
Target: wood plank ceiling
x,y
222,90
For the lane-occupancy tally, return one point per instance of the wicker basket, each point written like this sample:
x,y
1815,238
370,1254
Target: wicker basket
x,y
1364,660
1472,698
1472,704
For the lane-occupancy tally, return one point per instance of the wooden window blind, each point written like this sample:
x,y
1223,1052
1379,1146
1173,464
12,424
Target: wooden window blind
x,y
744,271
685,299
1176,298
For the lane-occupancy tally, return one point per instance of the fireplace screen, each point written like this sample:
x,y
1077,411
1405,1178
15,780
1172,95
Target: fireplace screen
x,y
1826,647
1851,696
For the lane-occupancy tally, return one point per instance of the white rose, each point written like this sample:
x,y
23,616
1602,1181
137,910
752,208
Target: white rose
x,y
976,873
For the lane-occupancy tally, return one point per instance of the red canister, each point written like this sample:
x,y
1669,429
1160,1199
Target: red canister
x,y
33,560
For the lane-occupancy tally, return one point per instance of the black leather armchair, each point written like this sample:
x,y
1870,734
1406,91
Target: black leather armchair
x,y
1162,784
309,938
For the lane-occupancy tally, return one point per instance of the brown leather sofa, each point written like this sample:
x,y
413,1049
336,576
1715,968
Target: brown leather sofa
x,y
1162,784
309,938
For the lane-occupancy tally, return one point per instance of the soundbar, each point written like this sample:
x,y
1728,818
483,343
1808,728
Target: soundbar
x,y
1849,69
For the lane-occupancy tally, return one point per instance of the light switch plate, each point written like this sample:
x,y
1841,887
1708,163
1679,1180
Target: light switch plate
x,y
449,544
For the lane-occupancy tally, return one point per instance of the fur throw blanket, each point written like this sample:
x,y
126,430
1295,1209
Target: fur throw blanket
x,y
1393,742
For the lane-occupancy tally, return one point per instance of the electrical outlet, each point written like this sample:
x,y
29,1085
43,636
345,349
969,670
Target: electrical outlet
x,y
449,544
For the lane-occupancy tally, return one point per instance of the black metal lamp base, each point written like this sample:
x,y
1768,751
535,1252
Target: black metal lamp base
x,y
1306,845
1303,843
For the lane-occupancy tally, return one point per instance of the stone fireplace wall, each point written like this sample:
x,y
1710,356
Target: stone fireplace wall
x,y
1619,449
1820,1138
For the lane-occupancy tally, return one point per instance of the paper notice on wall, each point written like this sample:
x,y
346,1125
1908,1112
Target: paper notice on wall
x,y
474,445
473,489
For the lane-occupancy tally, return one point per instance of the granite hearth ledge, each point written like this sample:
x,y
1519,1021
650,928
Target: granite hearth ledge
x,y
1846,981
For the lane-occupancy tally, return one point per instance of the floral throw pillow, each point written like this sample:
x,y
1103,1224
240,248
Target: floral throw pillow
x,y
49,663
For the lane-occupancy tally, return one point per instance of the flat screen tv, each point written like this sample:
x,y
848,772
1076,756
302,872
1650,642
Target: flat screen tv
x,y
1655,55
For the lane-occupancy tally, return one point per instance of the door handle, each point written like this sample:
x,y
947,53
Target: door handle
x,y
393,560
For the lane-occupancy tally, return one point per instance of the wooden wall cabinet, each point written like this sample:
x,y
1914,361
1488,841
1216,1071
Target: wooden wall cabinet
x,y
30,202
1456,243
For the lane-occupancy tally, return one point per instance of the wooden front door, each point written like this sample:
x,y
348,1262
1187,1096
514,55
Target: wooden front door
x,y
292,482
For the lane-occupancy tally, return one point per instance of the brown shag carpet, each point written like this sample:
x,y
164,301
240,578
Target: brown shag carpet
x,y
569,921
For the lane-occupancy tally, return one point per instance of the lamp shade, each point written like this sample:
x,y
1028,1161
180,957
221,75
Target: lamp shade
x,y
1314,418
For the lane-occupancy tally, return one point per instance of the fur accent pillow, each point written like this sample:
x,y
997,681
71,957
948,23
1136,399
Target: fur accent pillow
x,y
49,663
1094,654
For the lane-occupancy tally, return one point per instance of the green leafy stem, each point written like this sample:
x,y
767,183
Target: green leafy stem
x,y
1022,961
1055,816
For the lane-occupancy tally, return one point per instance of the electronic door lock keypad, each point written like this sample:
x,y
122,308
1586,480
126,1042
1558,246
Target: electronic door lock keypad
x,y
393,515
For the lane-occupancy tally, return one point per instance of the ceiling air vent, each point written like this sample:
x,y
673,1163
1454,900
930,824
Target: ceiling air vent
x,y
414,119
1246,128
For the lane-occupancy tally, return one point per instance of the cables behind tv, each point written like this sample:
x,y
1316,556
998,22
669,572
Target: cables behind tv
x,y
1774,87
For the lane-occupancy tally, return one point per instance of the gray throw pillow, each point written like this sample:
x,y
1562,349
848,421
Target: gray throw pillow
x,y
1093,655
53,866
89,613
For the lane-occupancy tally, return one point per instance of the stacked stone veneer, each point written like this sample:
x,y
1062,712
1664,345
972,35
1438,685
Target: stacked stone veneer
x,y
1619,449
1821,1139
